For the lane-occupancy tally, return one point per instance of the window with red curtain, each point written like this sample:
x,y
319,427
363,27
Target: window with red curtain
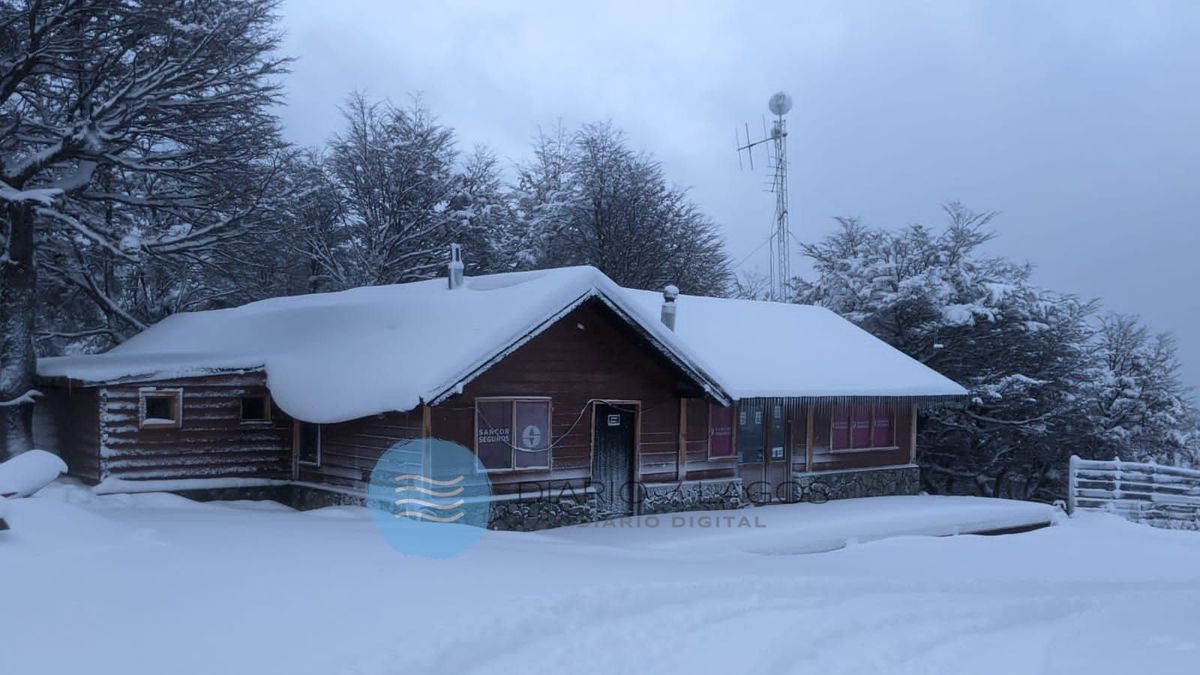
x,y
862,426
882,433
841,429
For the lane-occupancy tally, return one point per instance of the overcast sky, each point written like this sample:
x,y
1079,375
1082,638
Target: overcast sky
x,y
1079,121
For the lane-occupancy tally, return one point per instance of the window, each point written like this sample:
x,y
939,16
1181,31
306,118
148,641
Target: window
x,y
883,433
750,432
862,426
778,430
309,450
513,433
160,408
256,408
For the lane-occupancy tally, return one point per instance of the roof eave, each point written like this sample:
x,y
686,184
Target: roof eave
x,y
74,382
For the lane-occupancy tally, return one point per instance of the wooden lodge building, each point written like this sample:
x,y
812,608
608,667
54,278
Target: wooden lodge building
x,y
582,399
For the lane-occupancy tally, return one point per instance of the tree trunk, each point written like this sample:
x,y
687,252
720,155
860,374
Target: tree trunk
x,y
18,363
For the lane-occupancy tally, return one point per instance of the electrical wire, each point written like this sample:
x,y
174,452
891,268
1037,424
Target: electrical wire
x,y
565,434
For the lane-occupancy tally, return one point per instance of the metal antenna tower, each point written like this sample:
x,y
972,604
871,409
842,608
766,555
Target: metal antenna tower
x,y
775,142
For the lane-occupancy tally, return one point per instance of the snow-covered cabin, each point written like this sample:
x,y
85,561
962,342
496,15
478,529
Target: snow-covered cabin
x,y
296,398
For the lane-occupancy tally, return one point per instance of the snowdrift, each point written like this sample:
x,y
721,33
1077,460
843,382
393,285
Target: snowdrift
x,y
29,472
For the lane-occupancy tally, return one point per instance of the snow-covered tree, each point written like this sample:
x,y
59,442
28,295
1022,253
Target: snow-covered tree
x,y
1140,410
130,130
592,200
1047,377
396,171
485,216
752,285
1022,351
540,197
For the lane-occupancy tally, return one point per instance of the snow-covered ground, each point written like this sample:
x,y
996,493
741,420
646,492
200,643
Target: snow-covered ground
x,y
153,583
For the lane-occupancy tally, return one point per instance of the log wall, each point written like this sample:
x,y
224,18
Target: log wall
x,y
67,422
212,440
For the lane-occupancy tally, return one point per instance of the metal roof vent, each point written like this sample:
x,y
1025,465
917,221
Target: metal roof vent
x,y
668,306
455,267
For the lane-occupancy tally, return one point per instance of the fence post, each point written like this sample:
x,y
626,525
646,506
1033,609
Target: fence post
x,y
1118,493
1072,483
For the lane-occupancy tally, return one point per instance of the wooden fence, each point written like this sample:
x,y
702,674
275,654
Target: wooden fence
x,y
1166,496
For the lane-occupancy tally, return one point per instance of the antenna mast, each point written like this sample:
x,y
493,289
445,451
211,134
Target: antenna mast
x,y
775,142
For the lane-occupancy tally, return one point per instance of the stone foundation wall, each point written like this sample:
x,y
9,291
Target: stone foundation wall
x,y
305,498
276,493
656,498
821,487
539,514
708,495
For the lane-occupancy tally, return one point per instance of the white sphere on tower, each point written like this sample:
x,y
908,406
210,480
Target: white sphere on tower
x,y
780,103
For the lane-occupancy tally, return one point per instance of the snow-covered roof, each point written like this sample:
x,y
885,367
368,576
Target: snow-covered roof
x,y
332,357
760,349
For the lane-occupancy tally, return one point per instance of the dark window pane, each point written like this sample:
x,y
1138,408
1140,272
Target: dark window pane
x,y
160,409
493,425
533,434
254,408
778,443
310,443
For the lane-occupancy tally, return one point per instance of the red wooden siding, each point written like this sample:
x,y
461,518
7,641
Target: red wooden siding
x,y
696,435
349,450
604,359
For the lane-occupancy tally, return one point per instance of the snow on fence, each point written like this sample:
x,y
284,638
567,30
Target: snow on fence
x,y
1164,496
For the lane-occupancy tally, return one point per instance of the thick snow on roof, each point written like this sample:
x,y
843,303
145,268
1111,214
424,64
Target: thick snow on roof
x,y
332,357
777,349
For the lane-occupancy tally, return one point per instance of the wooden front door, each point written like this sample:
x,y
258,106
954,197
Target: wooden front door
x,y
614,436
777,469
764,450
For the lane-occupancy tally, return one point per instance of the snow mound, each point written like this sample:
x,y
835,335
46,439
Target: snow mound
x,y
29,472
798,529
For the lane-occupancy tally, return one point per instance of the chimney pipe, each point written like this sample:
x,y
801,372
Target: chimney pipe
x,y
455,267
668,306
